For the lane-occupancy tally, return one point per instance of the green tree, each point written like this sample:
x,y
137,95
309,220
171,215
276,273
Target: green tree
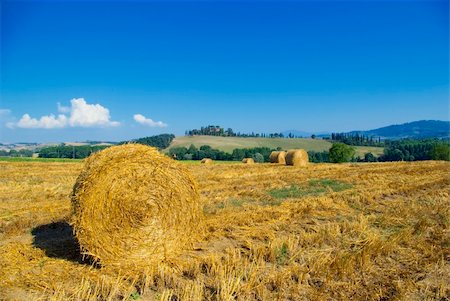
x,y
160,141
178,152
340,152
369,157
441,151
259,158
187,157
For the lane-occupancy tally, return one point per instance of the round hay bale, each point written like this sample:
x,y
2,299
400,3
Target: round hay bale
x,y
207,161
297,157
134,207
278,157
248,161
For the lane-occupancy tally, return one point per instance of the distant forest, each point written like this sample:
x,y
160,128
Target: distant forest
x,y
259,154
356,139
215,130
83,151
159,141
69,151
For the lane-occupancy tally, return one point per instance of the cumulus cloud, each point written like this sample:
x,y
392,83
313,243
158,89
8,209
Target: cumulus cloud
x,y
79,114
45,122
86,115
139,118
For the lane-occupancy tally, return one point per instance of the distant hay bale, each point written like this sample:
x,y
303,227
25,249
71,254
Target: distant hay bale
x,y
207,161
248,161
134,207
297,157
278,157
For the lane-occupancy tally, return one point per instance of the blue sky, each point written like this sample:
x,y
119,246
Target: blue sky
x,y
127,69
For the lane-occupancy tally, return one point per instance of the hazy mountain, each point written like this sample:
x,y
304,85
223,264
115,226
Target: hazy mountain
x,y
415,129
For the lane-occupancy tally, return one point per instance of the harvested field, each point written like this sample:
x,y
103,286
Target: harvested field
x,y
330,232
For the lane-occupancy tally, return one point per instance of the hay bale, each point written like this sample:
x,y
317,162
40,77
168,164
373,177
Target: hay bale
x,y
134,207
248,161
297,157
278,157
206,161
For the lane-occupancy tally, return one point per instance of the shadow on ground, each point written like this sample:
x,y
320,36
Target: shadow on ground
x,y
58,241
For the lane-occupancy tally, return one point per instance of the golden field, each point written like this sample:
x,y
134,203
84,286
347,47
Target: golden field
x,y
271,232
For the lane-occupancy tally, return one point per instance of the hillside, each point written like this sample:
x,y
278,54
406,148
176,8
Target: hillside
x,y
227,144
415,129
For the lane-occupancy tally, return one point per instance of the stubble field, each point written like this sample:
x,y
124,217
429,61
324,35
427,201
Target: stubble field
x,y
325,232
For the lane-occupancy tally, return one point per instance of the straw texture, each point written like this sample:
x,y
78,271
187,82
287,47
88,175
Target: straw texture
x,y
134,207
207,161
278,157
297,157
248,161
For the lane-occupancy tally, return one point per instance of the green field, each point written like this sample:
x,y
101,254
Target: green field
x,y
227,144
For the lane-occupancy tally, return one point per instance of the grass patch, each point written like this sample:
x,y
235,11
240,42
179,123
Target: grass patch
x,y
238,203
213,208
276,202
282,254
334,185
312,188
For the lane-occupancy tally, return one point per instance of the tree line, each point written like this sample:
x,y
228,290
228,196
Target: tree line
x,y
356,139
16,153
259,154
69,151
80,152
400,150
159,141
215,130
416,150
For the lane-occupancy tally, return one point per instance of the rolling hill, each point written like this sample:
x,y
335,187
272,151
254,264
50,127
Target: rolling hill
x,y
227,144
415,129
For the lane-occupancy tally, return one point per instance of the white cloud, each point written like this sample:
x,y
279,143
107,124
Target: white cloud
x,y
4,112
79,114
86,115
147,121
45,122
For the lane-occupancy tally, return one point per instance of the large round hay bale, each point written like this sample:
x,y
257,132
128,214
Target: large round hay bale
x,y
206,161
248,161
297,157
134,207
278,157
